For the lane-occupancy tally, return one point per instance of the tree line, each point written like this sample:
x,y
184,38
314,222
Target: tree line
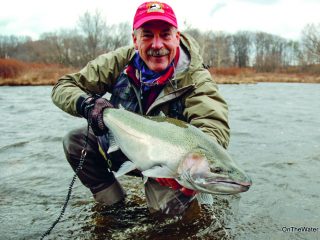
x,y
69,47
263,51
92,36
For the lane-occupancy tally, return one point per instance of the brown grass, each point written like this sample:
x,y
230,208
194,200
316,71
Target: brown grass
x,y
267,77
11,68
232,71
248,75
17,73
313,69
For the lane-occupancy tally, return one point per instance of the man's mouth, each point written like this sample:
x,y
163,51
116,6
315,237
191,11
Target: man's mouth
x,y
158,53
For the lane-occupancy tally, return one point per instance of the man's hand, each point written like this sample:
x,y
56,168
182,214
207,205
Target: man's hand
x,y
182,199
172,183
92,109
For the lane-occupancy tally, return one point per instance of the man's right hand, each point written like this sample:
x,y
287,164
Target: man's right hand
x,y
183,197
172,183
92,109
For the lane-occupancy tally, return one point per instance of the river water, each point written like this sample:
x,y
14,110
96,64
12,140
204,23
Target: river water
x,y
275,138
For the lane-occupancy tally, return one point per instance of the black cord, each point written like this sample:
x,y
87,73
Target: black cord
x,y
82,158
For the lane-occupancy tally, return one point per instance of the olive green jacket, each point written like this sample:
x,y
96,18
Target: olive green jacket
x,y
204,107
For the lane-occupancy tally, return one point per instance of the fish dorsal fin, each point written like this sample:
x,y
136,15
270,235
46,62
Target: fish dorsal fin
x,y
159,172
205,198
126,167
173,121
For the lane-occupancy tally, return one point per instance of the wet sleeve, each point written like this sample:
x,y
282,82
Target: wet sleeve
x,y
206,109
97,77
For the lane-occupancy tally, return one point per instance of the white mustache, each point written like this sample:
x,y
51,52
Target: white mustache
x,y
157,53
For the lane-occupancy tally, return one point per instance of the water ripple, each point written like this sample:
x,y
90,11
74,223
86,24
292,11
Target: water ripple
x,y
14,145
274,137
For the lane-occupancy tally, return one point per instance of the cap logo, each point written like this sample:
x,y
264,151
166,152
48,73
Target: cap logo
x,y
155,7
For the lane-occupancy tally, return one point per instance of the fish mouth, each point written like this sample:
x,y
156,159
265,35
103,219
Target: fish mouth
x,y
215,184
244,186
227,181
221,185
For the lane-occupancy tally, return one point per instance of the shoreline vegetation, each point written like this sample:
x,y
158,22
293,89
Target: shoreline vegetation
x,y
17,73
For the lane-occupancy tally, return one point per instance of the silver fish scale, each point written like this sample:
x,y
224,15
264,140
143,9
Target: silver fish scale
x,y
161,135
156,146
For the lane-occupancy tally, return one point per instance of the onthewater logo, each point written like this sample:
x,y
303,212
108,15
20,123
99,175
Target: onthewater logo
x,y
293,229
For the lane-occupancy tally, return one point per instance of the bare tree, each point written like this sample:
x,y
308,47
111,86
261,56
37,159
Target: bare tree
x,y
272,52
9,45
93,27
117,35
311,43
241,48
221,51
292,53
207,46
66,47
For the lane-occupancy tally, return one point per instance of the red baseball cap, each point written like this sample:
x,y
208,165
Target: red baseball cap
x,y
154,11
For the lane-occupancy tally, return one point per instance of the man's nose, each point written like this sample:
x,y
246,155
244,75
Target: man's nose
x,y
157,43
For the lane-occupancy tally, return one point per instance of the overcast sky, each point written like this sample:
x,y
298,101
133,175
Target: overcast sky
x,y
285,18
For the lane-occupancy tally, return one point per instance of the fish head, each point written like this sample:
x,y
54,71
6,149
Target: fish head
x,y
201,170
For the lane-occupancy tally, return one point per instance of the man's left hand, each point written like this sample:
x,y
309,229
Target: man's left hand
x,y
183,197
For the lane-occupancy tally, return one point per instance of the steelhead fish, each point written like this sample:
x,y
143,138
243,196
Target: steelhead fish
x,y
162,147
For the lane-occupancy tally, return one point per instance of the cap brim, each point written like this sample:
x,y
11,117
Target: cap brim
x,y
152,18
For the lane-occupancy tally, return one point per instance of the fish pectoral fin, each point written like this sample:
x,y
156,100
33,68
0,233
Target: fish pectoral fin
x,y
113,148
205,198
159,172
145,179
126,167
112,144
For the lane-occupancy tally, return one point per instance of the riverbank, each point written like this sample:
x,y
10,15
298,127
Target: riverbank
x,y
266,77
49,76
37,75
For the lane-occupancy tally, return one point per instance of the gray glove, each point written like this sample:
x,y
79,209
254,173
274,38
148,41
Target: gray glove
x,y
92,109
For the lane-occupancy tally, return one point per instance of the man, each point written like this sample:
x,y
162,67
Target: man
x,y
162,73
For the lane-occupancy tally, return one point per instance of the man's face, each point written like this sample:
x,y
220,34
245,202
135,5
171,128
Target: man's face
x,y
157,43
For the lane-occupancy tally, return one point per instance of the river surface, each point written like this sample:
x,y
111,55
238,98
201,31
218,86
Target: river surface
x,y
275,138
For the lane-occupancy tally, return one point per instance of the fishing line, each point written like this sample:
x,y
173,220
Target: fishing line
x,y
79,167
